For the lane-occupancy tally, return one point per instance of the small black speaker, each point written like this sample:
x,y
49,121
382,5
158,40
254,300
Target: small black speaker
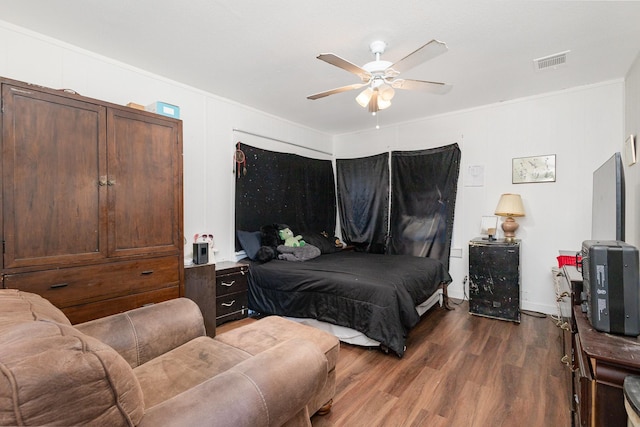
x,y
200,253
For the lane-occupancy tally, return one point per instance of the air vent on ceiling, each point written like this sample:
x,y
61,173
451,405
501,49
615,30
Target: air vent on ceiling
x,y
552,61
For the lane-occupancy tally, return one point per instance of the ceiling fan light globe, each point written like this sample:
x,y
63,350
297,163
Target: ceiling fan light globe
x,y
386,93
383,104
364,97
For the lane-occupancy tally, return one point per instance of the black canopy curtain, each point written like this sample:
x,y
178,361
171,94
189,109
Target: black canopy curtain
x,y
285,188
423,193
363,201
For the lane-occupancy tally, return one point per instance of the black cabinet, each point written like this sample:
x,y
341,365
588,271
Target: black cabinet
x,y
494,279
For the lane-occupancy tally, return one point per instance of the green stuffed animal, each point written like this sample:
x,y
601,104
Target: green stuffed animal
x,y
289,239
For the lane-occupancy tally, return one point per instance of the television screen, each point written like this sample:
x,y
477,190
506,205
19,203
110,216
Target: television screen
x,y
607,212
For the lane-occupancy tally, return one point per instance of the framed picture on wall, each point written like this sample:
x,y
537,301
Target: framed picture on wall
x,y
533,169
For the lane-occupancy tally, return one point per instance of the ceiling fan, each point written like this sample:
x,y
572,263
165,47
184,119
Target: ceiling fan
x,y
381,77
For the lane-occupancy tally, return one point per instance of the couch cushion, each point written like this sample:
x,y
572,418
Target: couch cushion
x,y
52,374
17,306
148,332
265,333
185,367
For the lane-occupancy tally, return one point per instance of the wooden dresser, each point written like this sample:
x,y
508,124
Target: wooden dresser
x,y
600,362
91,201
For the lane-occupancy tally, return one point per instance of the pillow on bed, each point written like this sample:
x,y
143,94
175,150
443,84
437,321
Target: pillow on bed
x,y
327,245
250,242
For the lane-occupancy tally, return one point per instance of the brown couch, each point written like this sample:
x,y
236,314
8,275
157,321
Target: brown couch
x,y
155,366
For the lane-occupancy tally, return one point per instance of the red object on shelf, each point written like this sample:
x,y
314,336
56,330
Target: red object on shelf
x,y
568,260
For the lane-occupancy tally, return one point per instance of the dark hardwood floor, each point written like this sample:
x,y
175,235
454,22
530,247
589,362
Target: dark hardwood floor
x,y
458,370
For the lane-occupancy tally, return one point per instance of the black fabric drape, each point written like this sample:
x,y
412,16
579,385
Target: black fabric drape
x,y
363,201
424,186
285,188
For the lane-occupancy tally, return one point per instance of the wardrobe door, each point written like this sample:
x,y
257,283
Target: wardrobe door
x,y
144,183
53,159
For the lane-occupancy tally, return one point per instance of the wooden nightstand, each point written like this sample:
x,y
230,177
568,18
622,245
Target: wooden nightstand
x,y
231,291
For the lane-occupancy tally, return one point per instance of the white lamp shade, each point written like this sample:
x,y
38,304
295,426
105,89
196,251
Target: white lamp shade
x,y
364,97
510,205
386,93
382,104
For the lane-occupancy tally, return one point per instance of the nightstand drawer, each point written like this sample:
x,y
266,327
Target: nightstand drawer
x,y
231,283
232,303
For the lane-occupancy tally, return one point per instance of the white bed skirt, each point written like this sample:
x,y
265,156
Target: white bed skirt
x,y
352,336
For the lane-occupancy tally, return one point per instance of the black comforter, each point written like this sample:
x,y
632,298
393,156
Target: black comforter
x,y
371,293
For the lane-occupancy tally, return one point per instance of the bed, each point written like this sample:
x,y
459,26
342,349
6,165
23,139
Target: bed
x,y
375,295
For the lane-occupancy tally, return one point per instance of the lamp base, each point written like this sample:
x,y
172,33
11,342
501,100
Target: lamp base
x,y
509,226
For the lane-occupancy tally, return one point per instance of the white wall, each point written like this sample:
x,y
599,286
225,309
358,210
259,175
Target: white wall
x,y
581,126
632,173
208,121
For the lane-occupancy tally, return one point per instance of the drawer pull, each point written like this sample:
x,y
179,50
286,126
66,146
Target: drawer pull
x,y
147,272
228,304
227,284
59,285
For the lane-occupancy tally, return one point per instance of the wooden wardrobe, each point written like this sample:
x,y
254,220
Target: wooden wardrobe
x,y
91,201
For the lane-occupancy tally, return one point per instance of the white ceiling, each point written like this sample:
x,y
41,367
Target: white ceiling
x,y
263,53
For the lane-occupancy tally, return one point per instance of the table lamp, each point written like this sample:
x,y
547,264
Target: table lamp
x,y
510,205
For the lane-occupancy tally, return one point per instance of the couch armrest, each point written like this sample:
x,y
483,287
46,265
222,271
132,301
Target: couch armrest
x,y
144,333
268,389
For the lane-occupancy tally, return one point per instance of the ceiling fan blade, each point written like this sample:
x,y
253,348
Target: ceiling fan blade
x,y
420,55
332,59
336,90
433,87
